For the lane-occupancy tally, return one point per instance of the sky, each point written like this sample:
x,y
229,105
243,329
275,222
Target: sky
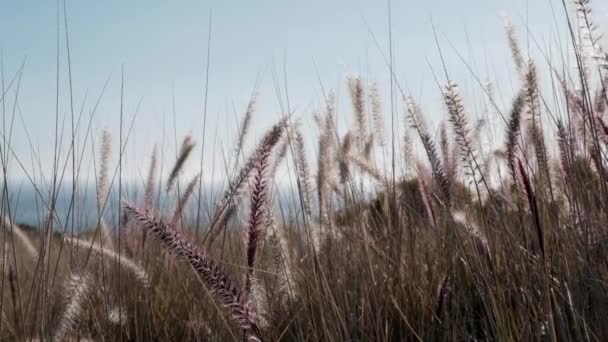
x,y
284,49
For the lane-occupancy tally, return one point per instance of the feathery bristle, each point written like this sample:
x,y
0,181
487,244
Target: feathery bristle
x,y
118,316
234,194
227,206
357,94
245,123
448,159
426,194
102,179
149,195
564,145
590,40
225,292
408,153
461,130
281,152
377,114
303,172
368,168
437,168
347,143
325,165
513,129
473,231
532,100
184,152
514,45
137,271
102,184
183,201
76,291
253,227
282,257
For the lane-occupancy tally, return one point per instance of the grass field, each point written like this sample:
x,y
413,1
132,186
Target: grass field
x,y
440,234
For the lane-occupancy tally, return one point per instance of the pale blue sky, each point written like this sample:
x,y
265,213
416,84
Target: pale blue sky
x,y
162,45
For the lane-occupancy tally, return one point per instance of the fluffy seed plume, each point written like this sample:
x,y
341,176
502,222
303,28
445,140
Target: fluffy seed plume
x,y
368,168
357,94
140,274
532,99
102,183
227,206
253,227
408,153
282,258
417,122
184,152
303,171
461,130
324,167
245,123
513,129
102,179
233,196
473,231
118,316
347,144
238,306
514,45
76,291
149,195
589,44
426,194
448,159
280,153
564,144
377,114
183,201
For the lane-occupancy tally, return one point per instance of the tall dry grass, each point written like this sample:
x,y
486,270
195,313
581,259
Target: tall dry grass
x,y
455,250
